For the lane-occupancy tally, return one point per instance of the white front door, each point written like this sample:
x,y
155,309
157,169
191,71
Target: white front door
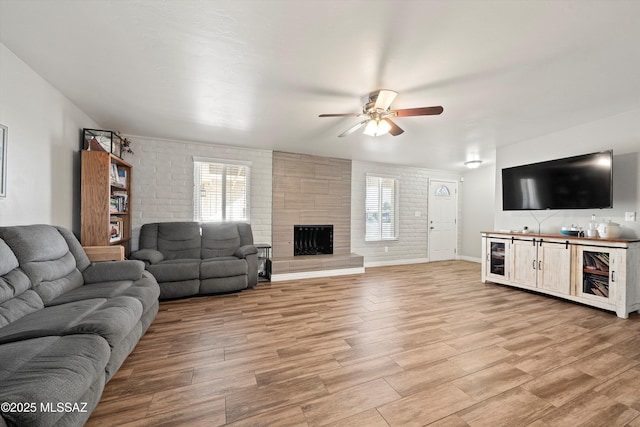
x,y
443,212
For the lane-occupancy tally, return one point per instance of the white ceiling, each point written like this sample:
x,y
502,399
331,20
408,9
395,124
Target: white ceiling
x,y
258,73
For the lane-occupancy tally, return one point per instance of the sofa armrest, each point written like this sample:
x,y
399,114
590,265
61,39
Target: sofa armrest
x,y
104,253
109,271
246,250
149,256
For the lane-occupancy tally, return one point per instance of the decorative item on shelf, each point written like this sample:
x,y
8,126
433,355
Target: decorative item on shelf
x,y
126,146
609,230
592,228
570,231
102,140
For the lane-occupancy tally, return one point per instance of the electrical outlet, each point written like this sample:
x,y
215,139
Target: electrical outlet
x,y
386,248
629,216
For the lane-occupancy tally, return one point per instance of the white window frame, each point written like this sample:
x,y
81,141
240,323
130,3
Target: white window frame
x,y
197,208
396,203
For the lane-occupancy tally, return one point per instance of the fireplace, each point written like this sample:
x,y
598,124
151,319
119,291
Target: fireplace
x,y
312,239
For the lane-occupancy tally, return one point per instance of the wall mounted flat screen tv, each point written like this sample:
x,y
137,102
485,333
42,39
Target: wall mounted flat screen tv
x,y
579,182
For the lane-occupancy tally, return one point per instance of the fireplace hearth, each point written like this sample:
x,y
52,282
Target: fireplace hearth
x,y
312,240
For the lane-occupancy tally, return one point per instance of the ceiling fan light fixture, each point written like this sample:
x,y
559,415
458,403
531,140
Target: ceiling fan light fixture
x,y
383,127
473,164
377,128
378,115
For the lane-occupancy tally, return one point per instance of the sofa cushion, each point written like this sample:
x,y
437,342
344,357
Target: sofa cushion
x,y
113,271
16,297
184,288
53,369
144,290
223,284
45,258
175,240
220,239
176,270
82,260
112,319
222,267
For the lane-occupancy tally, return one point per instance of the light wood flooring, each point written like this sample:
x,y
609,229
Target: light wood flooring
x,y
424,344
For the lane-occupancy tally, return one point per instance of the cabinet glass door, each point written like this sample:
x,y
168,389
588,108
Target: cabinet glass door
x,y
595,275
497,258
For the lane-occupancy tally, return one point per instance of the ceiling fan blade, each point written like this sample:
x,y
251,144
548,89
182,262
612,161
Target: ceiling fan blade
x,y
352,129
340,115
395,129
421,111
384,99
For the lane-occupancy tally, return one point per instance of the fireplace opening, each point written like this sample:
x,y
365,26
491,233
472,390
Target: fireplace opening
x,y
312,239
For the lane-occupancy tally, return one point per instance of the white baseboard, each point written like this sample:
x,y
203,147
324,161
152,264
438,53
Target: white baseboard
x,y
413,261
396,262
470,259
317,273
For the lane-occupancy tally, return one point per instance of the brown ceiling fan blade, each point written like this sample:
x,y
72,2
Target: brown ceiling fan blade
x,y
384,99
352,129
421,111
340,115
395,129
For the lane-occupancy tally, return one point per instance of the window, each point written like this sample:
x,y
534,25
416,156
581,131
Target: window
x,y
221,191
381,205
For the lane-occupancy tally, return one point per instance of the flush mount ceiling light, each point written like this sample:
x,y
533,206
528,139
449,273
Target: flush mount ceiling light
x,y
472,164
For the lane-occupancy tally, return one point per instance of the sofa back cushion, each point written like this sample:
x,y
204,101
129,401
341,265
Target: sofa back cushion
x,y
44,256
175,240
222,239
17,299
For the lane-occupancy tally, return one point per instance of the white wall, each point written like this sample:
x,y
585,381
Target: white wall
x,y
163,182
411,245
43,170
619,133
477,209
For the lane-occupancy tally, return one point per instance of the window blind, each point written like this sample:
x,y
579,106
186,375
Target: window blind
x,y
380,206
221,191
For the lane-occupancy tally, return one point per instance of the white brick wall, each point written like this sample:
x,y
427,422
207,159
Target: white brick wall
x,y
163,191
163,182
413,197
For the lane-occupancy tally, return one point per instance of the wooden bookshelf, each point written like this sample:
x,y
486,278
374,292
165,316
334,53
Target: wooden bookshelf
x,y
105,200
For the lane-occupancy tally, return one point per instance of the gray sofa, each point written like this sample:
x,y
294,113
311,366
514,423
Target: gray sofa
x,y
189,258
66,324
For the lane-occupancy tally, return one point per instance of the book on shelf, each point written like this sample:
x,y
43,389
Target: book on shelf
x,y
597,285
115,225
596,261
118,202
117,177
122,178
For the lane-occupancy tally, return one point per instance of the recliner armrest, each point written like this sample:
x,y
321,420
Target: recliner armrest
x,y
109,271
149,256
246,250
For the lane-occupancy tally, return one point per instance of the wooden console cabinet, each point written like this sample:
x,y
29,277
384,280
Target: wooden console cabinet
x,y
603,273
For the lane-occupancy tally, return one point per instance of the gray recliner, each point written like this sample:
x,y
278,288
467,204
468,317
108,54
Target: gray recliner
x,y
189,258
66,324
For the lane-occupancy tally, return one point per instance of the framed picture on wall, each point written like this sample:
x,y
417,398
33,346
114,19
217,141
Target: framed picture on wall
x,y
3,161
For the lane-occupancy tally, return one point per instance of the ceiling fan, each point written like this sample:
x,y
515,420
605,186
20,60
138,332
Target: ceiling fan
x,y
378,115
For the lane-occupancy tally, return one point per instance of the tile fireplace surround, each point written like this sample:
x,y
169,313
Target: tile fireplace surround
x,y
311,190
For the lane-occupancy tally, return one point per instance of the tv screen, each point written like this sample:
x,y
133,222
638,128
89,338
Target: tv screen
x,y
579,182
